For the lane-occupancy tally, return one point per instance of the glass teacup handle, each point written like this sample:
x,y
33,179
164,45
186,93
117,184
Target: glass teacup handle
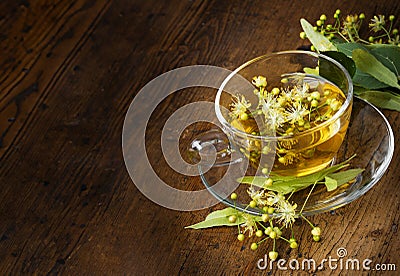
x,y
212,149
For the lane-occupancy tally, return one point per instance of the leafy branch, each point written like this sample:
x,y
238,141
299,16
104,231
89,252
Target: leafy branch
x,y
275,208
373,63
330,177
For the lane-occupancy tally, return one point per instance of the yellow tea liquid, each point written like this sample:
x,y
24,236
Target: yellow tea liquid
x,y
306,151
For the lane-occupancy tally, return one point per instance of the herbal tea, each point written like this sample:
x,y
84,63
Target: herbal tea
x,y
298,111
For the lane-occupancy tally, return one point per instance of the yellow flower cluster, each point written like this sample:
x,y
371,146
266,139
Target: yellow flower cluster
x,y
287,110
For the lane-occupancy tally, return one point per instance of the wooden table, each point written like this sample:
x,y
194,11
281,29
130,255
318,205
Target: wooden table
x,y
69,71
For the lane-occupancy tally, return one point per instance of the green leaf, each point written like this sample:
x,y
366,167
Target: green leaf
x,y
221,218
347,62
278,186
345,176
377,45
330,183
347,48
367,81
382,99
367,63
322,173
360,78
332,72
288,184
337,40
389,56
320,42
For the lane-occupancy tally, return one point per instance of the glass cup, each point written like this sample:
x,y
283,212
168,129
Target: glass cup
x,y
289,154
248,153
295,155
240,153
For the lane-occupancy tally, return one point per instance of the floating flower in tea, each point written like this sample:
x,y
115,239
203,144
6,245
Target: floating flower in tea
x,y
299,104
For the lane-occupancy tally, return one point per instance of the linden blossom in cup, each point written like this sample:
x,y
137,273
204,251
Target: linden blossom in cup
x,y
295,111
293,117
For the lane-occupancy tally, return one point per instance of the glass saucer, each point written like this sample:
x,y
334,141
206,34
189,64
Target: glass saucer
x,y
369,136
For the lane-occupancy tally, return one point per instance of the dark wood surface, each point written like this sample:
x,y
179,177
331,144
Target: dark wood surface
x,y
70,69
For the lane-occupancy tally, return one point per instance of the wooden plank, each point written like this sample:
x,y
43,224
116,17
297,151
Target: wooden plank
x,y
69,72
39,37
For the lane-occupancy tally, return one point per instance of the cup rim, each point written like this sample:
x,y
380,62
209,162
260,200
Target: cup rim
x,y
339,113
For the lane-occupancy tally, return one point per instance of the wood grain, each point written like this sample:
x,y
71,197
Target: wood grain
x,y
70,69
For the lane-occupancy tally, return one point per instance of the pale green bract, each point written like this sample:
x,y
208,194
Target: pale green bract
x,y
289,184
221,218
320,42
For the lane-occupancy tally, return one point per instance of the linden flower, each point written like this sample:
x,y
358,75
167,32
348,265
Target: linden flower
x,y
275,118
257,196
281,101
249,224
396,40
239,106
259,81
377,23
288,94
268,103
286,212
296,113
301,92
273,198
350,21
351,25
351,18
288,159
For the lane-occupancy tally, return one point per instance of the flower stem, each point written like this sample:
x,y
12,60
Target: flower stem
x,y
309,222
237,215
284,239
263,240
308,196
262,225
